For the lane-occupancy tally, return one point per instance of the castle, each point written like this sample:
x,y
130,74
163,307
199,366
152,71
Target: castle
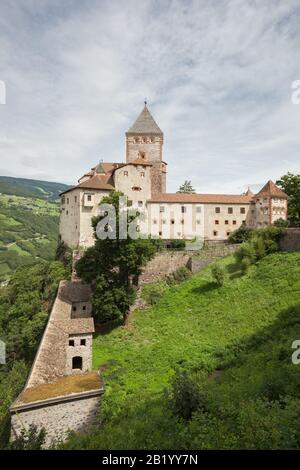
x,y
142,178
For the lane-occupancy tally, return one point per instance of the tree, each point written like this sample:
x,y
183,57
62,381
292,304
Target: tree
x,y
111,265
218,273
290,184
186,187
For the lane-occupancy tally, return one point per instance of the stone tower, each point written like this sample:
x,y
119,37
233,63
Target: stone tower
x,y
144,141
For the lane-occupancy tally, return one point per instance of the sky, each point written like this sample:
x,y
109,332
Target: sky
x,y
217,76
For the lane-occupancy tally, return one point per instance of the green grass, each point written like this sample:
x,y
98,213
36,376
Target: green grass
x,y
194,325
28,231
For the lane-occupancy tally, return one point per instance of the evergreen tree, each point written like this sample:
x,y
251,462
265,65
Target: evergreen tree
x,y
186,187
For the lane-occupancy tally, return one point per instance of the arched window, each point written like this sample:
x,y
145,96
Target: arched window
x,y
77,362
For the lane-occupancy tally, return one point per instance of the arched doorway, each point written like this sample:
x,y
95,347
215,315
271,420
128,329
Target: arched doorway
x,y
77,362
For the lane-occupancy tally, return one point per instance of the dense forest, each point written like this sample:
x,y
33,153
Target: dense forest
x,y
24,307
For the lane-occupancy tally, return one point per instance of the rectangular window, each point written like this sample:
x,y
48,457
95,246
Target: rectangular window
x,y
242,210
83,307
217,210
142,174
154,221
216,222
234,222
75,199
198,222
198,210
140,203
172,221
215,233
227,233
226,222
230,210
68,200
89,198
161,209
63,200
71,342
183,209
125,173
82,342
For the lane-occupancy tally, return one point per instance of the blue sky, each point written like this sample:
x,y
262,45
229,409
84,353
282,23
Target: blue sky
x,y
217,76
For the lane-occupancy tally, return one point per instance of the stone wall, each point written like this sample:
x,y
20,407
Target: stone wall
x,y
58,416
163,264
291,240
209,255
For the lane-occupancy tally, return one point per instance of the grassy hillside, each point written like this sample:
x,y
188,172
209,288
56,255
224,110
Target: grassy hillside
x,y
234,342
31,188
28,232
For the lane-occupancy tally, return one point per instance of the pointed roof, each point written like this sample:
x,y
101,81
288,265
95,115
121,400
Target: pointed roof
x,y
270,189
145,124
249,192
99,169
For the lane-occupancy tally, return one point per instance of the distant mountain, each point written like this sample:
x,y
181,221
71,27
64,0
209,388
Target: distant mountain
x,y
31,188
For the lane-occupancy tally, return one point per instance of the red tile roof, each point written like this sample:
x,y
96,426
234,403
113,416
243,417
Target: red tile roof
x,y
270,189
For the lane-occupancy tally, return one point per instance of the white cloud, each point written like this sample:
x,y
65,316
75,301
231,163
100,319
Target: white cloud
x,y
217,76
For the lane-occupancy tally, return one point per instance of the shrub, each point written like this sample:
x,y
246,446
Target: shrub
x,y
152,293
177,244
241,235
186,395
246,251
218,274
245,265
180,275
281,223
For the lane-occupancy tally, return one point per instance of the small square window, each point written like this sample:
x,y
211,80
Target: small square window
x,y
82,342
172,221
142,174
216,222
242,210
89,198
227,233
125,173
226,222
198,222
74,308
215,233
230,210
161,209
71,342
234,222
217,210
